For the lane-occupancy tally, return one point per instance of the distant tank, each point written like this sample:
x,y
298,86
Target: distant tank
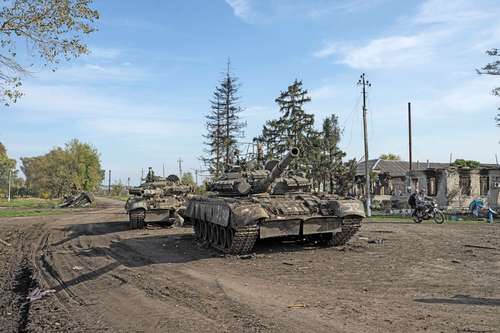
x,y
157,199
244,206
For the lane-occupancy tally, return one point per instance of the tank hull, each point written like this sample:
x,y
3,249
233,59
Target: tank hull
x,y
142,211
302,216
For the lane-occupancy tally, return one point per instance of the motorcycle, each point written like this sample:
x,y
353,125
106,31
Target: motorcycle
x,y
429,211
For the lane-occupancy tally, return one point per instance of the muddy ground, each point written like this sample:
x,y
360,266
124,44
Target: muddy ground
x,y
436,278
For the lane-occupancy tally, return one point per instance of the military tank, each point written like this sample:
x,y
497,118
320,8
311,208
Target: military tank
x,y
157,199
244,206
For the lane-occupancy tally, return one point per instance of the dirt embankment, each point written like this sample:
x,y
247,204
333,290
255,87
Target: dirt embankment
x,y
108,278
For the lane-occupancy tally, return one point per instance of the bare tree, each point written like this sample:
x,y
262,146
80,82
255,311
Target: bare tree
x,y
52,31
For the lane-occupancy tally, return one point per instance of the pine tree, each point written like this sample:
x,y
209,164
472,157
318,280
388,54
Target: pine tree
x,y
214,137
293,128
295,121
224,124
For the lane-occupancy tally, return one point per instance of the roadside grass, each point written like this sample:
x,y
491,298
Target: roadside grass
x,y
408,219
29,203
29,212
22,207
120,197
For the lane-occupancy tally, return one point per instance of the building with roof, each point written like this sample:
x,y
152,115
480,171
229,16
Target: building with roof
x,y
452,187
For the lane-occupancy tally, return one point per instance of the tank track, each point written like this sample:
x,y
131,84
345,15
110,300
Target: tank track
x,y
341,238
244,240
137,218
236,241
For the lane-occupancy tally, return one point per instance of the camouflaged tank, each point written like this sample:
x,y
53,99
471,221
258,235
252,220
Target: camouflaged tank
x,y
157,199
244,206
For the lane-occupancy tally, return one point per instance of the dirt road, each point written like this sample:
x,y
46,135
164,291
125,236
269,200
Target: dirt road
x,y
436,278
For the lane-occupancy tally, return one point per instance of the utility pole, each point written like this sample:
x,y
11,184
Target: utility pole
x,y
196,176
364,83
10,175
109,182
163,170
128,182
410,145
180,166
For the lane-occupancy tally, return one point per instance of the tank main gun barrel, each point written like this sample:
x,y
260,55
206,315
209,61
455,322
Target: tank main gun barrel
x,y
277,171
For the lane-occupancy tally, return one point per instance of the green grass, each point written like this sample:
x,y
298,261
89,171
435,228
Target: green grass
x,y
21,207
407,219
29,203
120,197
389,218
28,212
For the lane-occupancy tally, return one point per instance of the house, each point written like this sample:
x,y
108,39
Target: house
x,y
453,188
389,177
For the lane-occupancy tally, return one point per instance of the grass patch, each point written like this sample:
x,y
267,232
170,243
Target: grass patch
x,y
407,219
123,198
29,203
29,212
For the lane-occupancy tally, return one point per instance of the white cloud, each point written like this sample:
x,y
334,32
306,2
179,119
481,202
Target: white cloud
x,y
95,72
456,11
343,6
265,10
241,8
138,126
385,52
440,27
105,53
469,97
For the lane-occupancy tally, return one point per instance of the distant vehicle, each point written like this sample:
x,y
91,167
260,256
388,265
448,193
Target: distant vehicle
x,y
250,203
429,211
157,199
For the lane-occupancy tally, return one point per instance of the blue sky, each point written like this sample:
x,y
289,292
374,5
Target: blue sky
x,y
141,95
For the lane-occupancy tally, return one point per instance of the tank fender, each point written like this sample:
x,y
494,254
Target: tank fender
x,y
350,207
246,215
133,205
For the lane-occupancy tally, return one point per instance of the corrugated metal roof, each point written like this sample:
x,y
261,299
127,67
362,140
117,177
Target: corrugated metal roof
x,y
396,168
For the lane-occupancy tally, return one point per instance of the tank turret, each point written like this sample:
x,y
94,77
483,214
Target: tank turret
x,y
264,184
240,183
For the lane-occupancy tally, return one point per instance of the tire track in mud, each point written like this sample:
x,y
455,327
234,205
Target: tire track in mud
x,y
137,273
23,285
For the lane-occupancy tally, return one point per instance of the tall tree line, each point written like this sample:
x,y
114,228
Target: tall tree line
x,y
64,171
224,125
8,171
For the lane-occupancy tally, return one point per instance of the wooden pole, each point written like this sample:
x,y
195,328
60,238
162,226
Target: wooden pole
x,y
364,83
410,152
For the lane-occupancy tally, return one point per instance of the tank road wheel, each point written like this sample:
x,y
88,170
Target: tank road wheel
x,y
204,230
214,233
209,232
222,237
228,235
196,229
325,239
